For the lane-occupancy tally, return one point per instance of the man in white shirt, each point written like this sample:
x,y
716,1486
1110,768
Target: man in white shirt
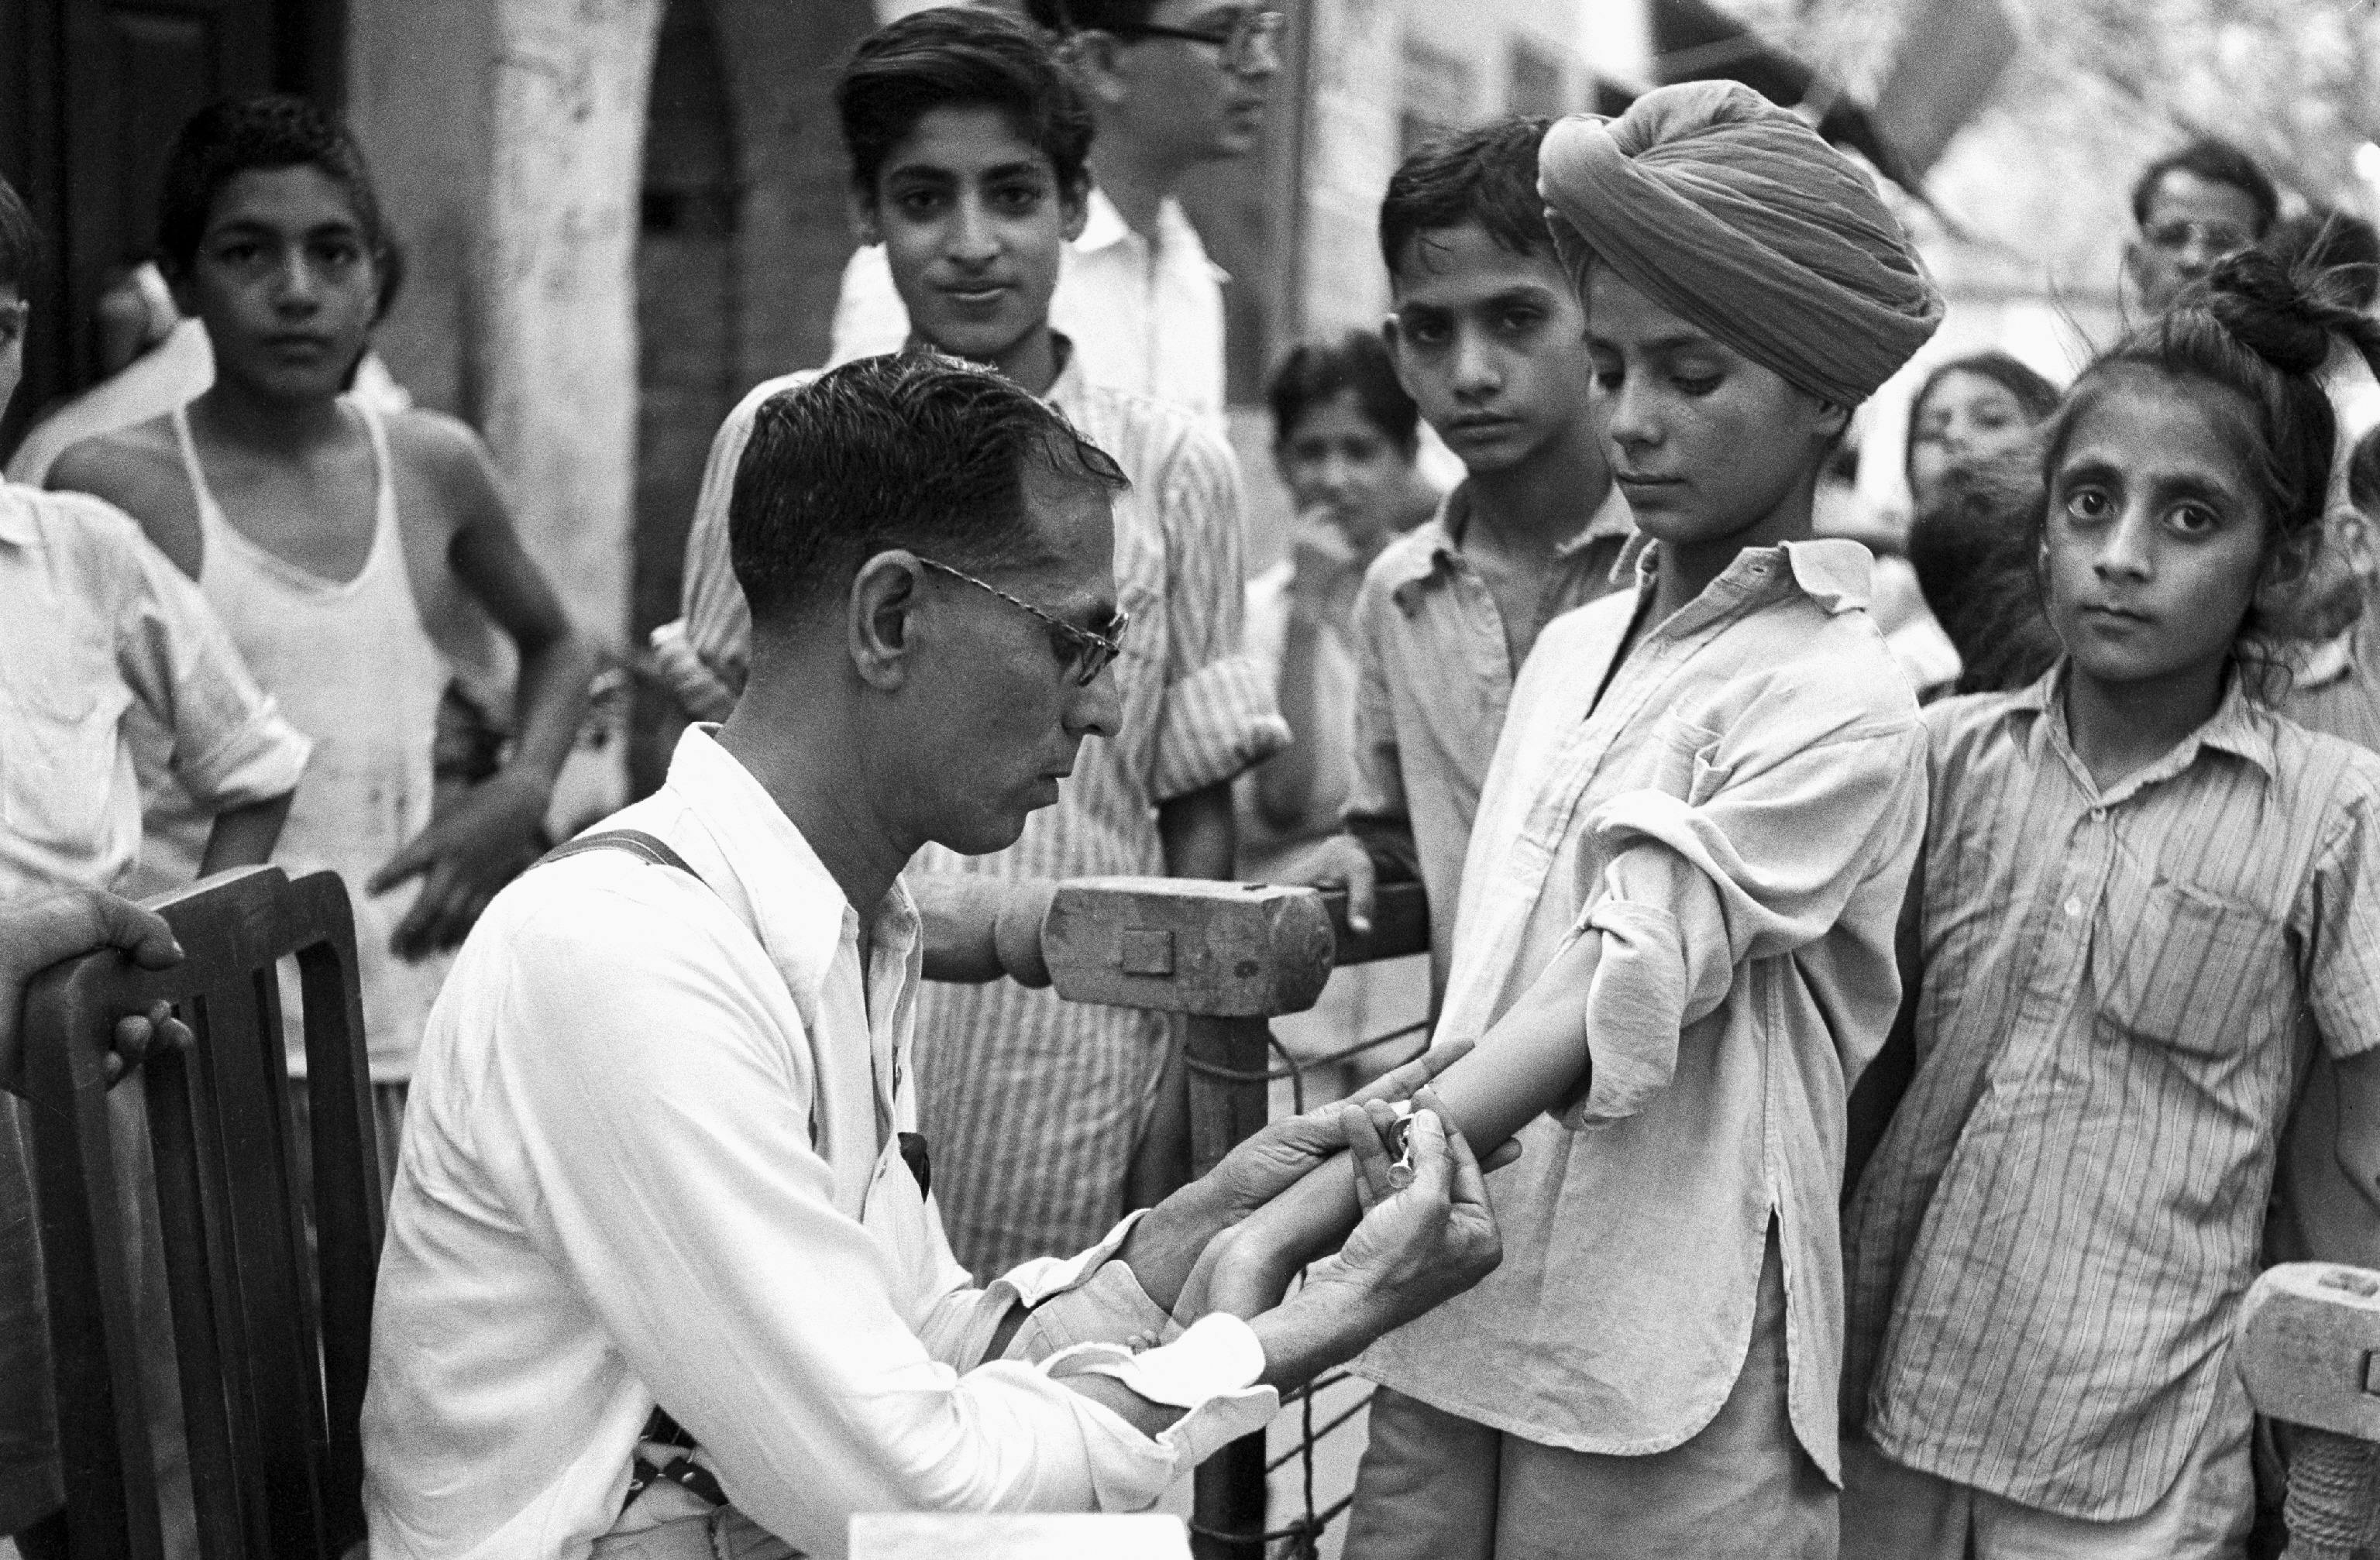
x,y
1173,84
655,1156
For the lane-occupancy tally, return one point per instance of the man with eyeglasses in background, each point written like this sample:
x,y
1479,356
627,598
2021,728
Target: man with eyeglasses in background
x,y
1173,84
2193,207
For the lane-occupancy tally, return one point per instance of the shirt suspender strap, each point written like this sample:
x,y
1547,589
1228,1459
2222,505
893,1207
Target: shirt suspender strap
x,y
635,841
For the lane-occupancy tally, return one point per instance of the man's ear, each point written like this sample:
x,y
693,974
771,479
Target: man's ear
x,y
2136,265
1098,64
1831,421
881,625
860,206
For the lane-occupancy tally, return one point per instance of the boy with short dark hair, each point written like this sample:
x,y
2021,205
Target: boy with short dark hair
x,y
968,142
96,627
2194,206
338,542
1489,338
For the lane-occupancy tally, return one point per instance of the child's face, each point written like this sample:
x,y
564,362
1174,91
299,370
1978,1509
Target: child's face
x,y
1492,346
973,220
1338,460
285,280
14,316
2153,544
1705,443
1964,417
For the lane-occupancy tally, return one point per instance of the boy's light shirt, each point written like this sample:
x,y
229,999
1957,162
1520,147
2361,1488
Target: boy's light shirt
x,y
650,1155
1736,818
95,625
1434,677
1145,319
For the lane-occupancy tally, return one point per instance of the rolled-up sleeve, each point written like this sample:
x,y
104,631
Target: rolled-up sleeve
x,y
2341,922
232,747
1376,811
1696,887
718,624
678,1185
1218,716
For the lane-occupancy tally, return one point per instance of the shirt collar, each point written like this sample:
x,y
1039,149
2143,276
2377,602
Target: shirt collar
x,y
2239,726
1436,545
798,910
1066,391
1835,572
1103,225
18,526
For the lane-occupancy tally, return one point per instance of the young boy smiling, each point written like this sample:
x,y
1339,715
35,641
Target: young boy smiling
x,y
1691,850
967,143
1490,341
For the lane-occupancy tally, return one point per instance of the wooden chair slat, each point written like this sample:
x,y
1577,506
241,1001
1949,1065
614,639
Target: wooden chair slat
x,y
272,1410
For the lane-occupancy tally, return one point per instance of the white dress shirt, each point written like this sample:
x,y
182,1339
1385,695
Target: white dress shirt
x,y
97,629
650,1157
1146,317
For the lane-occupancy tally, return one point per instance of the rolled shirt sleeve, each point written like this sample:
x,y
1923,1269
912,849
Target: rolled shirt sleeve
x,y
232,748
2341,922
1759,859
1218,717
765,1319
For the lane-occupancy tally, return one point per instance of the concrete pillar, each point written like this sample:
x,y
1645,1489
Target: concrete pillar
x,y
556,346
1350,150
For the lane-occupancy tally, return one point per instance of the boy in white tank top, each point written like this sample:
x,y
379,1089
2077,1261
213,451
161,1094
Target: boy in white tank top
x,y
340,546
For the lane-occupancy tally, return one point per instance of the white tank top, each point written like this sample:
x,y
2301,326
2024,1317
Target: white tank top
x,y
352,667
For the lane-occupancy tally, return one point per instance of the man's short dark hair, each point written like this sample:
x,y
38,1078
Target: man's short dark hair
x,y
224,139
1076,16
19,239
959,56
917,451
2216,161
1488,176
1358,363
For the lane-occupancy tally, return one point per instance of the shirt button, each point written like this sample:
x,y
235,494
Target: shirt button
x,y
2074,908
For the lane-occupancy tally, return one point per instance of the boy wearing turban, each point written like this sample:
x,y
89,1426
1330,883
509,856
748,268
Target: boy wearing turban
x,y
1703,808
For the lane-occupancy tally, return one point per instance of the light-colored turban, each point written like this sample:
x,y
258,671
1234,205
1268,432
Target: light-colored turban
x,y
1733,213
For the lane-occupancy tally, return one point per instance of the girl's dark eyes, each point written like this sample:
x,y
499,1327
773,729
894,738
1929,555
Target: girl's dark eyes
x,y
2193,520
1692,385
2089,504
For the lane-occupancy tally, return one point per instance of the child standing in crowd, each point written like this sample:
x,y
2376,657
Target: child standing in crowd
x,y
1489,337
2144,898
967,141
334,541
1972,429
1345,439
95,624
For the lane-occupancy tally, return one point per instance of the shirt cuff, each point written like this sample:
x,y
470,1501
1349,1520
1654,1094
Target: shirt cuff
x,y
1635,1008
703,693
1217,722
262,759
1213,1370
1108,1307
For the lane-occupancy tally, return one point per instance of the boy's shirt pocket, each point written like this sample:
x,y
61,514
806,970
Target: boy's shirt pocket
x,y
2188,967
61,700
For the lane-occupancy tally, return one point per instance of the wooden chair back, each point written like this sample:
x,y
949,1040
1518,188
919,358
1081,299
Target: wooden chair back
x,y
271,1398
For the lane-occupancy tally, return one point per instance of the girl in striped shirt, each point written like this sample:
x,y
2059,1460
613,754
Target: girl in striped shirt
x,y
2144,899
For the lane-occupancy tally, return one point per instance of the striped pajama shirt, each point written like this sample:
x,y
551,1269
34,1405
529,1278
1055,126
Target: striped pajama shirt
x,y
1034,1105
2120,991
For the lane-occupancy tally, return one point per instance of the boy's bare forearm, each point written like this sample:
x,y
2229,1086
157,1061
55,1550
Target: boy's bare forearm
x,y
244,836
554,680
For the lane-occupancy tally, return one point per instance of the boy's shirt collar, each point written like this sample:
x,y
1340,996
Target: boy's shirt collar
x,y
1835,572
1439,539
2239,727
17,527
1104,228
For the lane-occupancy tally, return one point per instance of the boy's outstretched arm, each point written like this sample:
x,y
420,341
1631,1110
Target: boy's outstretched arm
x,y
471,851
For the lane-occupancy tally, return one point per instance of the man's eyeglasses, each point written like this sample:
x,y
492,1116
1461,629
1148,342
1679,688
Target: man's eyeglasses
x,y
2219,239
1083,654
1247,40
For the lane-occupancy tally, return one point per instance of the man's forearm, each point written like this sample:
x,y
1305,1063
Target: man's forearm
x,y
244,836
554,681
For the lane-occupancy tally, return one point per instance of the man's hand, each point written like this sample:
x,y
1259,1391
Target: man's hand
x,y
1340,861
1277,1157
36,934
464,857
1427,1234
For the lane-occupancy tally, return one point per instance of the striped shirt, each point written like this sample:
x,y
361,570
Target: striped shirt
x,y
1433,675
1736,816
1034,1103
2047,1254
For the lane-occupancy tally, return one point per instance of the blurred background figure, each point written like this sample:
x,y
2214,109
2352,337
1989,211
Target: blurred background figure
x,y
2193,207
1345,435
